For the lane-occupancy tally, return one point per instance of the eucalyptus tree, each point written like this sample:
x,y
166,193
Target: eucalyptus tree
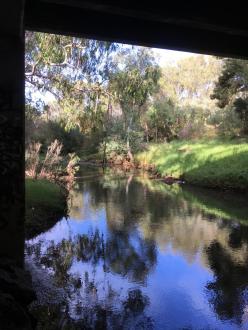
x,y
191,80
74,70
133,82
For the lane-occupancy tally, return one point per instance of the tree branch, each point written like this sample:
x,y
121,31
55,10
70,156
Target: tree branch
x,y
33,69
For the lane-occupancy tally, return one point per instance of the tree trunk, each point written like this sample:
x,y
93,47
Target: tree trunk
x,y
129,152
96,103
104,160
147,131
105,130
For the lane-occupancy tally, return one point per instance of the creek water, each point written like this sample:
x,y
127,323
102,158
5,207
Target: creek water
x,y
138,254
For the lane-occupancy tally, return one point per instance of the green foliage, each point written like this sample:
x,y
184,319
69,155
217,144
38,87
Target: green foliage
x,y
232,87
133,84
113,148
163,120
113,99
55,63
193,122
226,122
232,80
167,121
191,80
182,106
76,72
45,132
240,106
137,80
213,163
136,140
31,112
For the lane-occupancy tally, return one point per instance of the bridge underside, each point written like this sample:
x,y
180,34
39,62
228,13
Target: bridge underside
x,y
187,25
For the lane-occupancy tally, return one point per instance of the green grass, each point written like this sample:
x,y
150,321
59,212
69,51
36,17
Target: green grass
x,y
42,192
45,204
214,163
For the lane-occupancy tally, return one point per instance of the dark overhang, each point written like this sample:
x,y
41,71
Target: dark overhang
x,y
179,25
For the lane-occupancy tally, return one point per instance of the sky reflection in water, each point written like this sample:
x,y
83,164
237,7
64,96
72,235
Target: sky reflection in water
x,y
137,255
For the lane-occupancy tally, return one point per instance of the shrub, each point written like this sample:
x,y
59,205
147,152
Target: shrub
x,y
32,159
192,130
53,166
136,141
227,122
52,163
112,149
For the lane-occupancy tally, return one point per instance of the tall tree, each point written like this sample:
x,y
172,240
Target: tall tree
x,y
232,89
75,71
191,80
55,61
134,82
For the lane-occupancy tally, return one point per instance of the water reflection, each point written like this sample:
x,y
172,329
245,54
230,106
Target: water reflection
x,y
228,292
135,254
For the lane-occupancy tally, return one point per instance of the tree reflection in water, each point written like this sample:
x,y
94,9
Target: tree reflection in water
x,y
228,293
116,255
144,222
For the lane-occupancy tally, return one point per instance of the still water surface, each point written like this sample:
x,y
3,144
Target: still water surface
x,y
137,254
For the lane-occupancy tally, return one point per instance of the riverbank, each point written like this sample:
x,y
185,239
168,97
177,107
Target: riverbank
x,y
45,205
213,164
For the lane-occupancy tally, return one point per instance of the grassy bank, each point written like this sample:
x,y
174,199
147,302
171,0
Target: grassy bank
x,y
215,163
45,204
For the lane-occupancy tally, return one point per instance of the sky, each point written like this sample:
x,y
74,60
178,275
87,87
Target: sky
x,y
166,56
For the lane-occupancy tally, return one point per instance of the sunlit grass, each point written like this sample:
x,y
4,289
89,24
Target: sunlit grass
x,y
214,163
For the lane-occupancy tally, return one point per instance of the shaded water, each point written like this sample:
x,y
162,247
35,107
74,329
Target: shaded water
x,y
137,254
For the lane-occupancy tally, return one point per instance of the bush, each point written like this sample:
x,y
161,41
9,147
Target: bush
x,y
114,148
53,165
192,130
32,159
167,121
227,122
136,141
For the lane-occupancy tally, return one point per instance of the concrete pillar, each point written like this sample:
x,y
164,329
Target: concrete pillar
x,y
12,196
